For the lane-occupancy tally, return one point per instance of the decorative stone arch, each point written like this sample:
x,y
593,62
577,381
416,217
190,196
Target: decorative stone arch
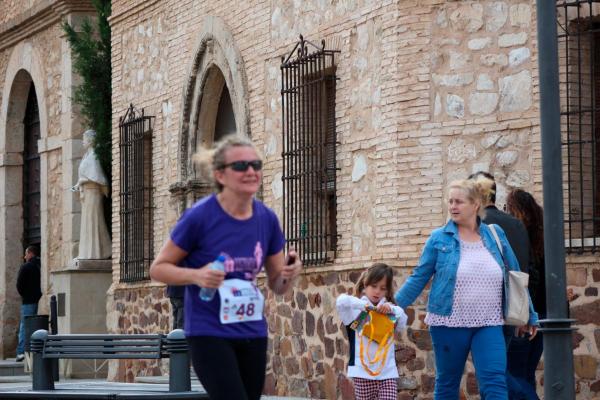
x,y
217,64
24,68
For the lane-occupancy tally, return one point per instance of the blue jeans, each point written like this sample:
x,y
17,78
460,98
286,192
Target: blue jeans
x,y
451,346
26,311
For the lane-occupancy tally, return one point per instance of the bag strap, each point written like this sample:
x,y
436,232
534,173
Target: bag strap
x,y
498,243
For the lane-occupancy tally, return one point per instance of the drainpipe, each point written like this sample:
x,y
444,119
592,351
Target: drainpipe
x,y
559,381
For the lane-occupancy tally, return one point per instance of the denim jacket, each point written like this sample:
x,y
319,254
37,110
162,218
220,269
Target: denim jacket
x,y
440,259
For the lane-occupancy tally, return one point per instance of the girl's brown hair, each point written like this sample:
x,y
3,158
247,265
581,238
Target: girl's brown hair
x,y
374,274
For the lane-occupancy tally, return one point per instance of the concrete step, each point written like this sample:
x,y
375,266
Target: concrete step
x,y
10,367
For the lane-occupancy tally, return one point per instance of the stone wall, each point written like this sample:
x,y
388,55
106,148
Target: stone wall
x,y
42,57
9,9
428,92
139,309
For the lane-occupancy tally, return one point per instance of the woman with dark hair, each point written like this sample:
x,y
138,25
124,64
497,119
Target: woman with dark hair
x,y
525,353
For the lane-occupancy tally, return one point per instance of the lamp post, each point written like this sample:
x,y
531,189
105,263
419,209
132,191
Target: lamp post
x,y
558,354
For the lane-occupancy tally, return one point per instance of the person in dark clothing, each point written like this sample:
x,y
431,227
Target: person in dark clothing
x,y
527,353
29,287
176,294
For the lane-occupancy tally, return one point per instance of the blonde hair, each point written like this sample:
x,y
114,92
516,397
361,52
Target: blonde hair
x,y
478,190
209,160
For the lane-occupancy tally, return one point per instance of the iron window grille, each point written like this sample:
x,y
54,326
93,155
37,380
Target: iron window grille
x,y
579,77
308,84
135,144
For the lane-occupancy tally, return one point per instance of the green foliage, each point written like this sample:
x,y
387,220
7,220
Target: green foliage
x,y
91,60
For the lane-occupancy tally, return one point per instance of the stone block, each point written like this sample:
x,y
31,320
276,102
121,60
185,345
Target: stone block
x,y
455,106
577,276
512,39
520,15
586,366
496,14
588,313
482,103
515,92
479,43
468,18
518,56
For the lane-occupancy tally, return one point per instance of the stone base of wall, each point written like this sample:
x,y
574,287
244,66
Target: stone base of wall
x,y
308,347
137,310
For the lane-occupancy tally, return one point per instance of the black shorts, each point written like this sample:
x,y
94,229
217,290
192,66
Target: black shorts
x,y
230,368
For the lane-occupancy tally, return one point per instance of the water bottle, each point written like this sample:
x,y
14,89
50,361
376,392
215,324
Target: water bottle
x,y
207,294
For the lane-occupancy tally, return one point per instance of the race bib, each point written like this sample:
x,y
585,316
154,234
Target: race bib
x,y
241,301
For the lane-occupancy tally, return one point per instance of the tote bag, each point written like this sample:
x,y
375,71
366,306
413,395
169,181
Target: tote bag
x,y
379,329
517,313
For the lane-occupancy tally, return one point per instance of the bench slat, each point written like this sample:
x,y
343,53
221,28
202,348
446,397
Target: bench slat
x,y
100,349
88,336
92,356
107,343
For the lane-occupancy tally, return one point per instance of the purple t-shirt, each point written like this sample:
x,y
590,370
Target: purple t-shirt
x,y
206,231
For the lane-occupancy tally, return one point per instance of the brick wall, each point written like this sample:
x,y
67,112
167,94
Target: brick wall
x,y
428,91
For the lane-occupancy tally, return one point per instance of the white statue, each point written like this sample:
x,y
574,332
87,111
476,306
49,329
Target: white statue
x,y
92,185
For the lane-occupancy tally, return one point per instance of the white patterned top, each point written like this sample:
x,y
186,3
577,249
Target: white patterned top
x,y
478,291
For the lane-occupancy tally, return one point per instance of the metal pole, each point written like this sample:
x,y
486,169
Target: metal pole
x,y
54,331
558,355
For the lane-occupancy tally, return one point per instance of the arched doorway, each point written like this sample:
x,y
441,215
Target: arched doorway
x,y
31,173
21,128
215,104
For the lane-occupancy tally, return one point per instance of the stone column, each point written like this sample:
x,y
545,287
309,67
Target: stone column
x,y
11,181
71,129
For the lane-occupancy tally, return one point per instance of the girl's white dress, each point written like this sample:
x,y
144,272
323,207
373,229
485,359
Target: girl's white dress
x,y
349,308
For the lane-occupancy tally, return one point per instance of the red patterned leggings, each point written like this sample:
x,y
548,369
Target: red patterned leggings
x,y
371,389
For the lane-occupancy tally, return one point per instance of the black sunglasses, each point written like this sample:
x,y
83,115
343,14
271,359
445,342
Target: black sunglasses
x,y
242,166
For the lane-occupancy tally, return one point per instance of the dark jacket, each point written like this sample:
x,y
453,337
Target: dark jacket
x,y
515,232
537,286
28,281
175,291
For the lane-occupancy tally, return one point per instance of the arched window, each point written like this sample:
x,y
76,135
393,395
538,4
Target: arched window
x,y
216,118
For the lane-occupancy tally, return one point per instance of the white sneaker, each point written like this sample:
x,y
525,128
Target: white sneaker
x,y
20,357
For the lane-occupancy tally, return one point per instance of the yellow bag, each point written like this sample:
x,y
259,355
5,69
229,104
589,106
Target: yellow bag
x,y
379,329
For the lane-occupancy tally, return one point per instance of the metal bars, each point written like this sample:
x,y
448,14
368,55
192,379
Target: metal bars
x,y
579,54
308,84
135,144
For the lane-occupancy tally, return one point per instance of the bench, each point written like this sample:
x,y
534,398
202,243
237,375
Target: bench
x,y
45,348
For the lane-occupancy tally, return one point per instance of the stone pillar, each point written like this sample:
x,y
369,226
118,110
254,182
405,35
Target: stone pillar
x,y
11,219
71,130
185,194
81,299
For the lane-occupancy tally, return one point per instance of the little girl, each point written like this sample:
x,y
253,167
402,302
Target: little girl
x,y
373,370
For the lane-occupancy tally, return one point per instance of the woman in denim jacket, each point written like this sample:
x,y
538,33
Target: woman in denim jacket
x,y
467,299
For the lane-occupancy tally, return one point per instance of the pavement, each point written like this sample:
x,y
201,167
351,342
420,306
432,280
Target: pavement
x,y
14,379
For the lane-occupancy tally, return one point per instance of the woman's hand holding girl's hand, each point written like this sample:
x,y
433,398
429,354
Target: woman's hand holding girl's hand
x,y
209,278
384,308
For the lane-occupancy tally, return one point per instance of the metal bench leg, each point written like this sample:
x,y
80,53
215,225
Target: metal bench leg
x,y
179,372
42,368
179,362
